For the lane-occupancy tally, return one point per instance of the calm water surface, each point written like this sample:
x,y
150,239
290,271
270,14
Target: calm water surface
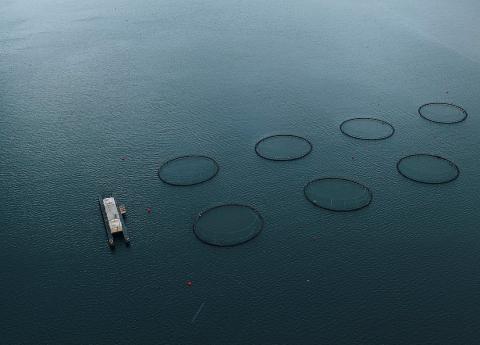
x,y
85,83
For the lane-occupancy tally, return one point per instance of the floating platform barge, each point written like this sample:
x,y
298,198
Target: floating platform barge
x,y
113,218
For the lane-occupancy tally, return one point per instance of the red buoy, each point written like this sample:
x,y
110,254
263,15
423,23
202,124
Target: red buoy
x,y
189,283
149,210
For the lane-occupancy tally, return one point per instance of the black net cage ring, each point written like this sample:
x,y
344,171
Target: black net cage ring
x,y
338,194
427,168
444,113
367,128
188,170
283,147
228,225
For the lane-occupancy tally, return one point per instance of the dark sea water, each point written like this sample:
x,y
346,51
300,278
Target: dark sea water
x,y
85,83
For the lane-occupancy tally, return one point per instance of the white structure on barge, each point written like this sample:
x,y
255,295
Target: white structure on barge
x,y
113,219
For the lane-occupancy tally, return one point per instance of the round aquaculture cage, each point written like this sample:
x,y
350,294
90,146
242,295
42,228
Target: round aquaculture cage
x,y
427,168
446,113
283,147
367,128
188,170
338,194
228,225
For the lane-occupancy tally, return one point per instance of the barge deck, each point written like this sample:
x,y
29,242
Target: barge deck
x,y
113,219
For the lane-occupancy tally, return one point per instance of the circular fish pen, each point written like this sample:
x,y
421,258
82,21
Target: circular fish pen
x,y
283,147
188,170
228,225
338,194
367,128
430,169
445,113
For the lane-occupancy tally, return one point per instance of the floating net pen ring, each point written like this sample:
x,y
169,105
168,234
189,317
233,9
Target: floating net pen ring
x,y
188,170
447,113
427,168
283,147
379,129
228,225
338,194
